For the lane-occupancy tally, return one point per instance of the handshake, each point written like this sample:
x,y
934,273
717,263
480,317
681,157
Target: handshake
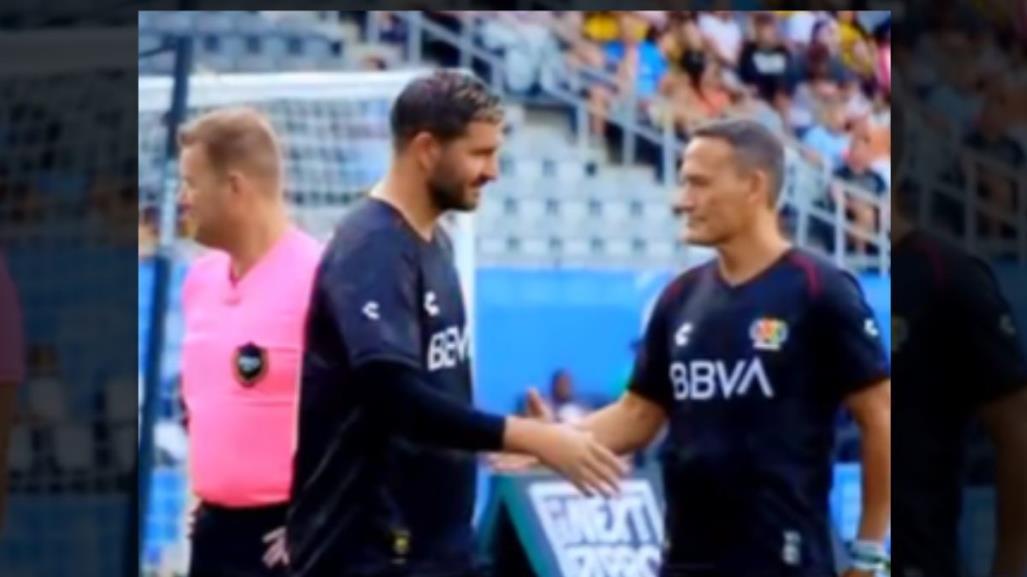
x,y
572,452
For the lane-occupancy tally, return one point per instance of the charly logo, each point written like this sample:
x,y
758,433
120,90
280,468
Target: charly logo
x,y
431,305
870,328
250,364
683,334
587,533
370,310
768,334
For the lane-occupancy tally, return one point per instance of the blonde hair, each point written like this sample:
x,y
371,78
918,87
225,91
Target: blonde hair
x,y
239,138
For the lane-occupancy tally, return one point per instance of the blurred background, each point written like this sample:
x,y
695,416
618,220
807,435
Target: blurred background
x,y
568,250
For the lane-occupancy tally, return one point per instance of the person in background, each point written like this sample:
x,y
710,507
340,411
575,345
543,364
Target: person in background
x,y
765,65
566,407
722,31
826,142
858,172
244,304
855,47
637,64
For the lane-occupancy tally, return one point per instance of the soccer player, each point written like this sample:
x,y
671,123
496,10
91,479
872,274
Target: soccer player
x,y
748,359
959,361
245,302
385,474
12,370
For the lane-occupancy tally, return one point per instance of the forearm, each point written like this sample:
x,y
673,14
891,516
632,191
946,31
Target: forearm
x,y
1011,513
625,426
876,479
398,395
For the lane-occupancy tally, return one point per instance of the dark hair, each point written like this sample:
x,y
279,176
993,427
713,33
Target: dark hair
x,y
755,147
442,104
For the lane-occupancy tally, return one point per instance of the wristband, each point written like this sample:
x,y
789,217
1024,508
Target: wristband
x,y
869,556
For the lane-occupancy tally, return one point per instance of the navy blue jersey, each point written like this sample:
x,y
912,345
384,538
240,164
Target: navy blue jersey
x,y
366,499
752,377
955,348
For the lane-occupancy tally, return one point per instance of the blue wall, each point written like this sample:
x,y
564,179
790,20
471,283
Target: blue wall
x,y
532,322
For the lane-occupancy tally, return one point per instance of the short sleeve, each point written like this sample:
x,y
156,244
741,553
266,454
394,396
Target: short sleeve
x,y
12,341
854,351
371,291
993,352
650,377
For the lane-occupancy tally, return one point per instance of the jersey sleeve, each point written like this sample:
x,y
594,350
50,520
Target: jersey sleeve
x,y
12,341
650,377
851,337
372,290
992,346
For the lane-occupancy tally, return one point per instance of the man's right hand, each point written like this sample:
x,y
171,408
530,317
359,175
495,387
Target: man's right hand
x,y
572,453
576,455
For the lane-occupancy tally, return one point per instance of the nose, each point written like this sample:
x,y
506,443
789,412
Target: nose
x,y
683,203
491,171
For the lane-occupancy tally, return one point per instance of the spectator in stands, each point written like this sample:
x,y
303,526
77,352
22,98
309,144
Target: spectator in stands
x,y
882,37
820,75
526,43
566,407
799,26
765,64
724,34
685,49
600,27
821,61
826,142
858,172
855,46
997,179
637,65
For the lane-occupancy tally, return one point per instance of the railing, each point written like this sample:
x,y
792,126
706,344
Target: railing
x,y
935,183
635,129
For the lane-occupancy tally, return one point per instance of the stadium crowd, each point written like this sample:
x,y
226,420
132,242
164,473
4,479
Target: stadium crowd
x,y
822,80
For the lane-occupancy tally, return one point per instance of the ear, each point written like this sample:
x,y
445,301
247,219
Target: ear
x,y
759,187
235,181
426,150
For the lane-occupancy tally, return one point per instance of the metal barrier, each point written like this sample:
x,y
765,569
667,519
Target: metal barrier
x,y
634,128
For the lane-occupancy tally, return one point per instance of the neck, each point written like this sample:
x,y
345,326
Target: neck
x,y
263,229
746,255
411,198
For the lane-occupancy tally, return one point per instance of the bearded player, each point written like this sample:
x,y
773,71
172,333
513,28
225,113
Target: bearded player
x,y
385,473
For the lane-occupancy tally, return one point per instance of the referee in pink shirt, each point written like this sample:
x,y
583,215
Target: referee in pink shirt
x,y
12,370
245,304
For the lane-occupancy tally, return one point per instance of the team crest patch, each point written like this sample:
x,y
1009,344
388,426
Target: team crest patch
x,y
768,334
250,364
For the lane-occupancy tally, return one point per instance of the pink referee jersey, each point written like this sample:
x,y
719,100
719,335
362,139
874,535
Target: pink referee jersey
x,y
241,363
12,340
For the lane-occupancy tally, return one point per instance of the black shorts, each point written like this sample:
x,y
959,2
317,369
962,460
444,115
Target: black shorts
x,y
230,542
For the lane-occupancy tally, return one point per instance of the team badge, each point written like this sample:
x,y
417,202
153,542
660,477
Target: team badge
x,y
250,364
400,542
768,334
